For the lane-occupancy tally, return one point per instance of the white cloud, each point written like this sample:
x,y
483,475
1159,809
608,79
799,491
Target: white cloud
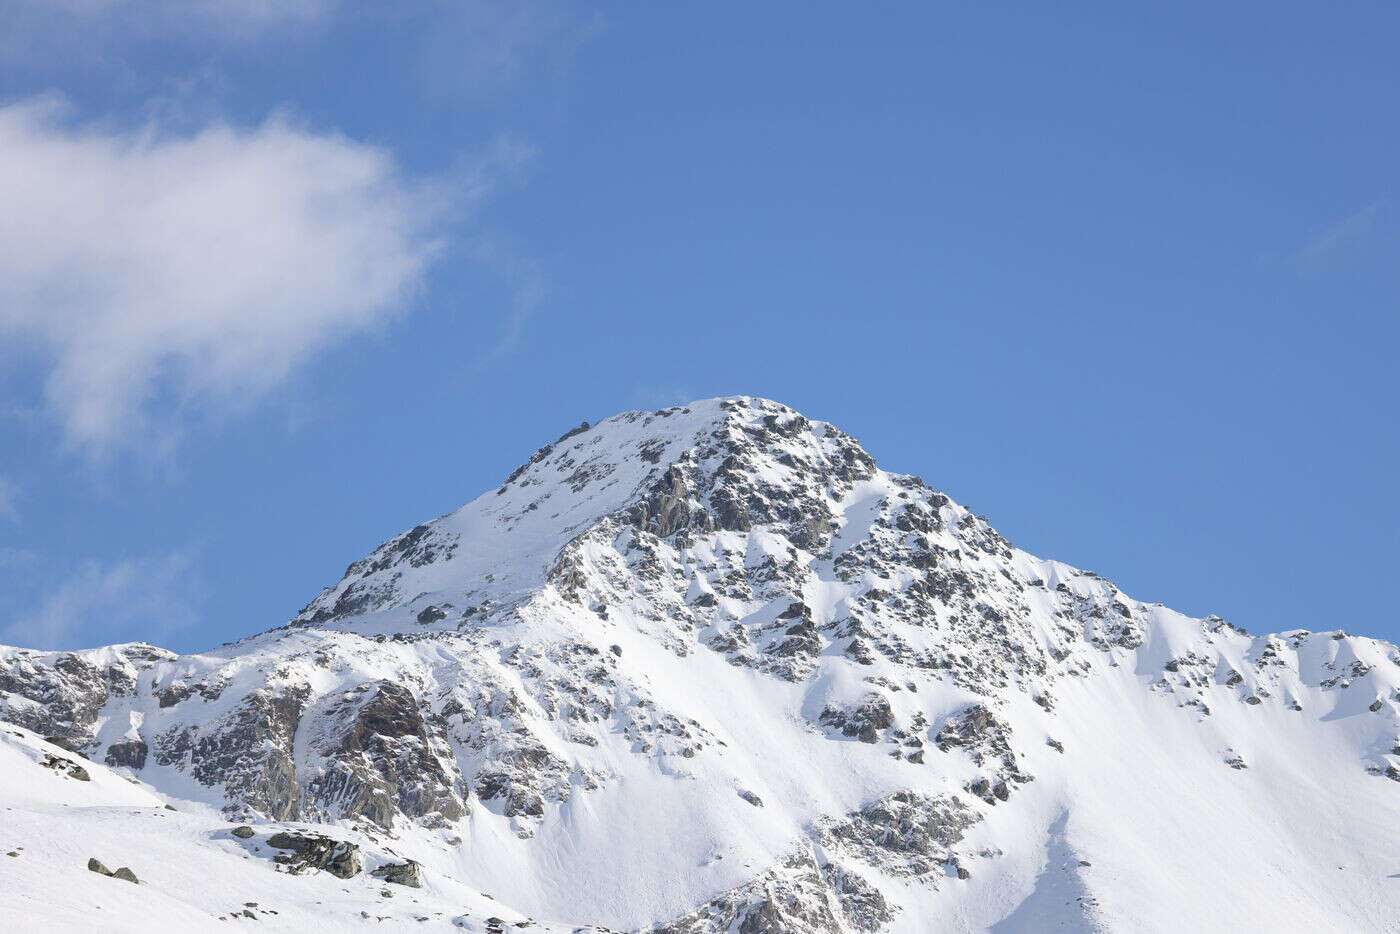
x,y
160,273
101,603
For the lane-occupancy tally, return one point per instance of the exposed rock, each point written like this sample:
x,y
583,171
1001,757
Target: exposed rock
x,y
123,873
312,851
65,767
986,738
380,761
903,834
865,720
795,897
248,752
131,754
406,873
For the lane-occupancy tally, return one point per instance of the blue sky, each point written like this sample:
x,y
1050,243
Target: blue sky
x,y
278,281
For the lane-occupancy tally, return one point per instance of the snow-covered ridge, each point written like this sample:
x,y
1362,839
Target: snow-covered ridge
x,y
711,669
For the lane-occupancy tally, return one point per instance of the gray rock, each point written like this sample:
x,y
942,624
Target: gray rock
x,y
65,767
131,754
407,873
243,832
312,851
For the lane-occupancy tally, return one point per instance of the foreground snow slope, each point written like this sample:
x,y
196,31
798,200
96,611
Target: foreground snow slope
x,y
193,874
710,669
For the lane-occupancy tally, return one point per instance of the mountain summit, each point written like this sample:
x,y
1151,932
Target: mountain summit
x,y
709,669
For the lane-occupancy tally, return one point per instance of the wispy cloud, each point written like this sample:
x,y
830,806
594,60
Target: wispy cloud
x,y
169,274
1349,229
105,602
527,283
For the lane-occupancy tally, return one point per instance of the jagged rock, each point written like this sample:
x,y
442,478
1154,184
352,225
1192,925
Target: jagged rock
x,y
247,752
903,834
987,739
864,721
243,833
794,897
380,761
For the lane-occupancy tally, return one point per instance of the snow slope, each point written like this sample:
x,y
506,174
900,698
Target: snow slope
x,y
194,875
710,669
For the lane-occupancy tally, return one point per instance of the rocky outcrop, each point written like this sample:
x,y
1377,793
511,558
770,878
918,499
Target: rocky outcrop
x,y
903,834
307,852
406,873
130,754
247,752
380,761
987,740
798,896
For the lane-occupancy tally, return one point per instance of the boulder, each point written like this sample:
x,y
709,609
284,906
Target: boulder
x,y
406,873
125,874
313,851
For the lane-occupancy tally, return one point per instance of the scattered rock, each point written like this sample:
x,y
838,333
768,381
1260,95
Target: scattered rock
x,y
65,767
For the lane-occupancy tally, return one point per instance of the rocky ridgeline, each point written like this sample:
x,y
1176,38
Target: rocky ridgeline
x,y
475,662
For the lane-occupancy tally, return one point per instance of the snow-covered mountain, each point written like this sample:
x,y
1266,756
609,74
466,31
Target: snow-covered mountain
x,y
709,669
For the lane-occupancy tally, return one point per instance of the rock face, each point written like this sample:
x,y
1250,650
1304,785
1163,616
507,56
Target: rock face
x,y
834,671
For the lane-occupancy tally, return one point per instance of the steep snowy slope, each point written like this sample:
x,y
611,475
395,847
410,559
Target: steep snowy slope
x,y
710,669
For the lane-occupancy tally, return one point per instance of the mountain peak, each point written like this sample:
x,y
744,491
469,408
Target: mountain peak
x,y
709,668
727,463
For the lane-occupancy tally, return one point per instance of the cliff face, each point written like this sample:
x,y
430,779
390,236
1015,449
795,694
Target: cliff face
x,y
711,669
